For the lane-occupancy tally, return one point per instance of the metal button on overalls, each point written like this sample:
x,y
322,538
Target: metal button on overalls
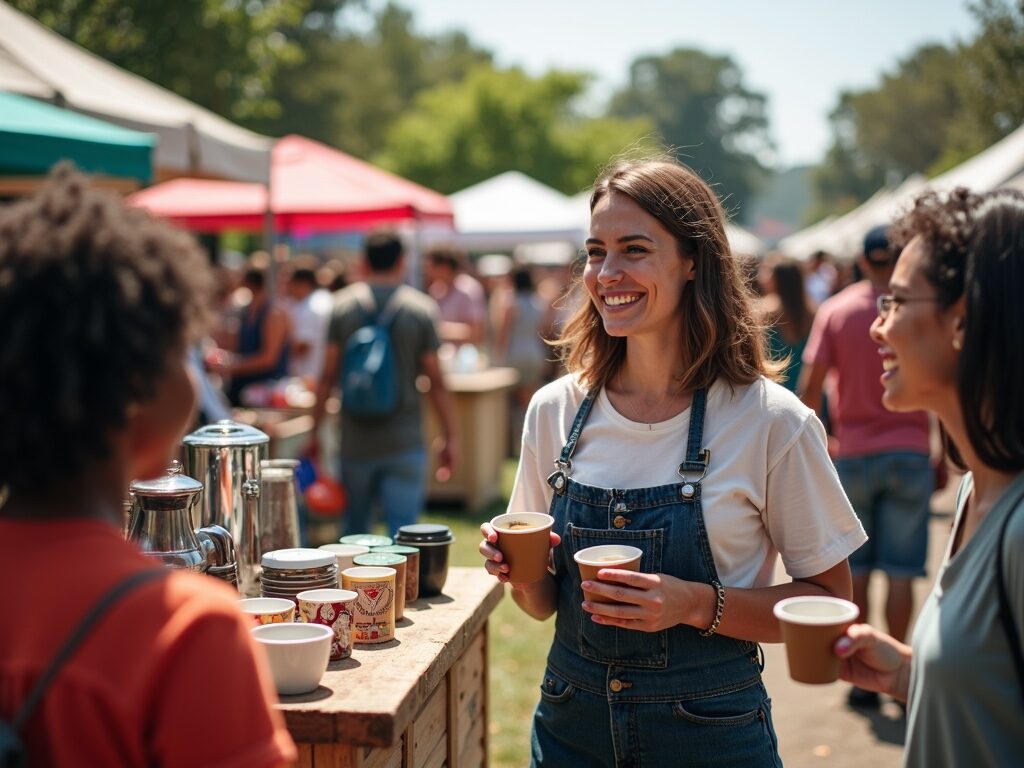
x,y
615,686
619,521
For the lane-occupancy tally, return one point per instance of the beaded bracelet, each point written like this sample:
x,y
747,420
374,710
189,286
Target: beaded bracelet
x,y
719,608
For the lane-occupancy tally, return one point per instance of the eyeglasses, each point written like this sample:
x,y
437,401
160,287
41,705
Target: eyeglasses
x,y
886,302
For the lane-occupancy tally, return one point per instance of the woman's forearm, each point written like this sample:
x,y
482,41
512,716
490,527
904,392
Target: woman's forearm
x,y
539,600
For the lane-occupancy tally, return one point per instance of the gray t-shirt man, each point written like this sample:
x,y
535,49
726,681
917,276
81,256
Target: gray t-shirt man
x,y
413,333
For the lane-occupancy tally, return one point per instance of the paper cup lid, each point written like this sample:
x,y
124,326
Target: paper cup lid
x,y
389,559
366,539
424,533
298,558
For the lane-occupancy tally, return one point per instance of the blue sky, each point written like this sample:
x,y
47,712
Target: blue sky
x,y
800,53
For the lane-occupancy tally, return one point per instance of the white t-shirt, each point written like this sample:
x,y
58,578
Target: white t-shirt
x,y
770,489
309,326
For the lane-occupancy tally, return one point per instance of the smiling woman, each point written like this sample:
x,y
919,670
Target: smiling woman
x,y
670,409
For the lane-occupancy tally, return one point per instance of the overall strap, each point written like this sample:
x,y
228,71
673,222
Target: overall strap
x,y
697,458
563,464
35,695
564,461
1005,606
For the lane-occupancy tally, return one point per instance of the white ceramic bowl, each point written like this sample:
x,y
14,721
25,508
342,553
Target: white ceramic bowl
x,y
298,654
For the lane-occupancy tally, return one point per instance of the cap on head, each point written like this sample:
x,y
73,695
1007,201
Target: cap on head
x,y
877,239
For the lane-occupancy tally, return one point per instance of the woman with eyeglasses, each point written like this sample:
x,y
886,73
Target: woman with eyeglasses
x,y
950,334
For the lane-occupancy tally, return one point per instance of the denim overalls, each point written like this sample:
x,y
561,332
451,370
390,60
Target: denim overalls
x,y
624,698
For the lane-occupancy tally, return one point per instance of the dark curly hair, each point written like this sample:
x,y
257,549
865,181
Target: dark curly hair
x,y
93,297
974,248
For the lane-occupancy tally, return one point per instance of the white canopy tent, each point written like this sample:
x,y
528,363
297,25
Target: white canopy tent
x,y
35,61
842,237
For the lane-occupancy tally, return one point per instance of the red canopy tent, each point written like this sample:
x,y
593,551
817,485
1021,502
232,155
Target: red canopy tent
x,y
313,188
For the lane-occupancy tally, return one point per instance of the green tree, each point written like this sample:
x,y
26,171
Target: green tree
x,y
221,54
991,81
351,87
498,120
700,107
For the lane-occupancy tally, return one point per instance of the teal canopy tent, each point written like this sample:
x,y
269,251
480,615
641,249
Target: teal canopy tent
x,y
34,136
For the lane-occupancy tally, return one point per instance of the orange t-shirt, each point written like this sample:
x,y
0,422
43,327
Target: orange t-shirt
x,y
169,676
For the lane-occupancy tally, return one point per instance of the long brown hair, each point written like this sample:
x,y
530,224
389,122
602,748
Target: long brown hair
x,y
796,314
721,337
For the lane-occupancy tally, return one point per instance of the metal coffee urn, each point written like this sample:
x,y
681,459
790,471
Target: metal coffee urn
x,y
225,457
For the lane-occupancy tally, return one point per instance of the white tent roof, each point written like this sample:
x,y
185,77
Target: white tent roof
x,y
36,61
988,170
513,203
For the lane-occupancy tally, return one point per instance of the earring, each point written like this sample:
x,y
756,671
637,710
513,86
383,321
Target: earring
x,y
958,344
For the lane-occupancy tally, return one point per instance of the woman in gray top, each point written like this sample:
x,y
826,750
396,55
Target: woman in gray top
x,y
949,335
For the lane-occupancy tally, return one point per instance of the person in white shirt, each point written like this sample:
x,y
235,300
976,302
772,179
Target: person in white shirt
x,y
671,435
309,310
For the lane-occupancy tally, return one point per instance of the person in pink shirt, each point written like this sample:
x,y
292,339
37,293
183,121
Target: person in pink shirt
x,y
882,457
459,296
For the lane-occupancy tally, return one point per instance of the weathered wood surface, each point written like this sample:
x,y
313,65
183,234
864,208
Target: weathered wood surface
x,y
371,698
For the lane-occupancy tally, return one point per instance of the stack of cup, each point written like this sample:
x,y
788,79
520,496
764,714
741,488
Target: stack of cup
x,y
286,572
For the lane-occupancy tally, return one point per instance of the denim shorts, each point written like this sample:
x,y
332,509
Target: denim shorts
x,y
891,494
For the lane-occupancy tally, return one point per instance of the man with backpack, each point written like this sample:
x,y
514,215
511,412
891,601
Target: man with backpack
x,y
382,335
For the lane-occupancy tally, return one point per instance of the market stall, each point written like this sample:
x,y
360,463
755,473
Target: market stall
x,y
418,700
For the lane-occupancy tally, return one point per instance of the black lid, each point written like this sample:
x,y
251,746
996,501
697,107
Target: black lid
x,y
424,533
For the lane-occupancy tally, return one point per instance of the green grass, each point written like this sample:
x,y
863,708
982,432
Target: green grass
x,y
518,644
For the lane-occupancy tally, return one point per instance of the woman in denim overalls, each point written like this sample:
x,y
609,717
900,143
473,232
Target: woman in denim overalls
x,y
670,674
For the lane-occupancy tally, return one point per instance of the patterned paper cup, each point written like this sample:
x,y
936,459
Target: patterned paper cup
x,y
268,610
374,613
331,608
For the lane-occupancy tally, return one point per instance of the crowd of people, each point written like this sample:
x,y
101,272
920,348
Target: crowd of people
x,y
716,429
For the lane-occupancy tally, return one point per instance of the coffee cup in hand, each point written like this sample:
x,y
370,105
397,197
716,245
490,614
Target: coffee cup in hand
x,y
524,539
593,559
811,624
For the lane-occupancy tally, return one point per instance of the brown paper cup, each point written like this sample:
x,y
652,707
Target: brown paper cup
x,y
524,539
593,559
810,627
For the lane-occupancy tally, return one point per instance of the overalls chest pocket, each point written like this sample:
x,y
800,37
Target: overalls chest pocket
x,y
612,645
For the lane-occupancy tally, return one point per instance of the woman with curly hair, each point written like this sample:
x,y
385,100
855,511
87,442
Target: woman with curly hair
x,y
98,304
949,334
670,435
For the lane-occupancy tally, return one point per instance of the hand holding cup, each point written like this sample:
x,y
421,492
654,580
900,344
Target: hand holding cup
x,y
517,545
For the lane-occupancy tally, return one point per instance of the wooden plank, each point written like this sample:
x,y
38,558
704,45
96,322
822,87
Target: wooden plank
x,y
437,758
371,698
305,759
474,752
430,726
335,756
382,757
470,693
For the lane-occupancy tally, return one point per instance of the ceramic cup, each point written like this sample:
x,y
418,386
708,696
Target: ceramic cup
x,y
268,610
333,608
297,654
593,559
374,613
811,625
524,539
345,553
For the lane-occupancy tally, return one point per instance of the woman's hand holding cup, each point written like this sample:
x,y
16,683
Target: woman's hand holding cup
x,y
875,661
511,567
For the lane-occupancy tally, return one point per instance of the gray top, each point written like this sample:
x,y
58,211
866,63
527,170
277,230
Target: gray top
x,y
413,333
965,704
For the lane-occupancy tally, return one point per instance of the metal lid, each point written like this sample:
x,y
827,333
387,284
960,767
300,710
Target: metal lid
x,y
174,483
366,540
298,557
397,549
379,558
423,533
226,433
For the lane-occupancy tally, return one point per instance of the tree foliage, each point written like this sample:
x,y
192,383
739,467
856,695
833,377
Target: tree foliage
x,y
221,54
702,110
938,107
498,120
350,88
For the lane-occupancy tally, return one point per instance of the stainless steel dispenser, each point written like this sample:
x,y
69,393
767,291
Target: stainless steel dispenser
x,y
225,457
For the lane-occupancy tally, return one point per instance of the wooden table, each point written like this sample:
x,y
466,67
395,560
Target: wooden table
x,y
481,403
419,701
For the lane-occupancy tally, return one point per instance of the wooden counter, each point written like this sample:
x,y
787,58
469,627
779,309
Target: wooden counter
x,y
481,403
419,701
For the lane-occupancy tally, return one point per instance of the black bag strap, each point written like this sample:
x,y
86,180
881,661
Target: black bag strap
x,y
1005,608
379,316
85,626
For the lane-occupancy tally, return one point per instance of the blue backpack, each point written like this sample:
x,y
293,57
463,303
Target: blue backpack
x,y
369,370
